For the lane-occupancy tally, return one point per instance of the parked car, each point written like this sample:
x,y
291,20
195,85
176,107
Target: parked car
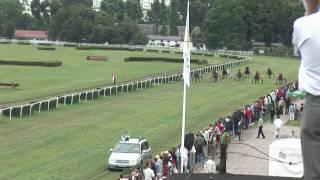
x,y
129,153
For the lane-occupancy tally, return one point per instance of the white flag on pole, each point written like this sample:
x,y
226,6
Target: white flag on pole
x,y
186,52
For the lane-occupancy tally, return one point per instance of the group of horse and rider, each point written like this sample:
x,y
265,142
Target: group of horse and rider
x,y
239,75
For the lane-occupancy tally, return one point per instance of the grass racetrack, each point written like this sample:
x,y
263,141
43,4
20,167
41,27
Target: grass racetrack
x,y
71,142
76,72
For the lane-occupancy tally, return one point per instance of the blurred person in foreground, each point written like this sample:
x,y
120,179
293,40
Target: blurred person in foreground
x,y
306,38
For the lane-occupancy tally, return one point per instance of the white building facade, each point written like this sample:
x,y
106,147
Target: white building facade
x,y
145,4
96,5
27,6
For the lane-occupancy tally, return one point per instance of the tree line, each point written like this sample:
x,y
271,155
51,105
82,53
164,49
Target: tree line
x,y
233,24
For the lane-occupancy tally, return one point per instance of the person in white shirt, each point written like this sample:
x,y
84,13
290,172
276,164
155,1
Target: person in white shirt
x,y
277,126
210,166
148,173
306,39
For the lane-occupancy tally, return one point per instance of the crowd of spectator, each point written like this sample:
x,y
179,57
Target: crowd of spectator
x,y
207,143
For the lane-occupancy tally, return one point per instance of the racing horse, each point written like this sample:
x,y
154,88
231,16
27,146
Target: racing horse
x,y
269,73
281,79
247,72
257,78
215,76
239,76
197,76
224,73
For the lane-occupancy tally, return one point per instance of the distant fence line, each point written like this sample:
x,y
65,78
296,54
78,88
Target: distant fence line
x,y
97,93
144,47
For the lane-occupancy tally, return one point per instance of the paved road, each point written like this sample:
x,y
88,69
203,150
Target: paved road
x,y
240,164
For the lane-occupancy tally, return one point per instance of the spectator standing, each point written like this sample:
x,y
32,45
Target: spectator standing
x,y
272,113
292,111
306,38
158,165
210,166
148,173
199,143
260,131
225,140
277,125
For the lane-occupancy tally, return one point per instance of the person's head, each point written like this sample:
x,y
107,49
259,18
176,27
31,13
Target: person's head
x,y
311,6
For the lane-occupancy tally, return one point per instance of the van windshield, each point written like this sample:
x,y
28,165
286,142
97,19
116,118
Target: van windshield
x,y
127,148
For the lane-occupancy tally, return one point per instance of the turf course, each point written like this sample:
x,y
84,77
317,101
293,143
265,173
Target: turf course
x,y
71,142
76,73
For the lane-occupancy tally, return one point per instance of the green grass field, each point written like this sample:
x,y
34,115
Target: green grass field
x,y
76,72
72,142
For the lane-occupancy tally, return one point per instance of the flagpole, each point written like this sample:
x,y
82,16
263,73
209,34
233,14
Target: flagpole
x,y
186,82
183,123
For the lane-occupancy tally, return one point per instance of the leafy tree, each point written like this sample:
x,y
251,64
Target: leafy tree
x,y
133,10
174,18
114,8
10,17
139,39
196,36
155,15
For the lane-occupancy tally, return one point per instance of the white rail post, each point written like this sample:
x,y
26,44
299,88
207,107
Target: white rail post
x,y
92,95
40,106
10,113
71,99
30,111
64,100
21,107
48,104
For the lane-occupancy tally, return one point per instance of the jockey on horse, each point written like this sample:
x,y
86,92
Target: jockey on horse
x,y
257,77
239,76
247,72
215,76
224,73
280,78
269,73
197,76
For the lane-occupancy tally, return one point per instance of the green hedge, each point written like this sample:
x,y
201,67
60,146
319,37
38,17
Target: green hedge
x,y
32,63
24,43
69,45
45,44
47,48
152,50
5,42
83,48
174,60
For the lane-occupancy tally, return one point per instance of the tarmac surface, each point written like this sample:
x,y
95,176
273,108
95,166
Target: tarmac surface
x,y
245,160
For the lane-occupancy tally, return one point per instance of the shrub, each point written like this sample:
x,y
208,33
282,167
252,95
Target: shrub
x,y
83,48
97,58
5,42
24,43
69,45
32,63
174,60
45,44
47,48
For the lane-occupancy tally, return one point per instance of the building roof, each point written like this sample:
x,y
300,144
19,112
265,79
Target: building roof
x,y
165,38
148,29
31,34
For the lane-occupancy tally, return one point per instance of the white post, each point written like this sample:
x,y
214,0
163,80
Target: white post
x,y
57,103
48,104
72,99
40,106
92,95
104,94
21,107
85,100
31,105
64,100
127,87
10,115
